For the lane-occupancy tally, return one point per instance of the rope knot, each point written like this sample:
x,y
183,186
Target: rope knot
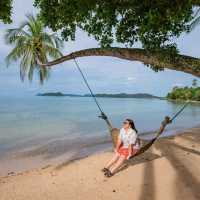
x,y
103,116
166,121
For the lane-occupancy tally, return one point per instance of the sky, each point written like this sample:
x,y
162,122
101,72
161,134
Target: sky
x,y
105,74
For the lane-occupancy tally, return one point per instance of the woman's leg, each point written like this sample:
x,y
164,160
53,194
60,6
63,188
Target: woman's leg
x,y
117,164
112,161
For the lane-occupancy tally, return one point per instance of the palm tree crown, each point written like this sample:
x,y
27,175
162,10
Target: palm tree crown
x,y
32,45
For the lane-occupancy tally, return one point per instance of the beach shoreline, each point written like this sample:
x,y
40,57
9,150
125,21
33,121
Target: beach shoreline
x,y
58,151
31,134
28,160
168,170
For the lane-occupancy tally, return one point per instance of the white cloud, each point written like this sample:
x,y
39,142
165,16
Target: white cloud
x,y
178,85
131,78
104,73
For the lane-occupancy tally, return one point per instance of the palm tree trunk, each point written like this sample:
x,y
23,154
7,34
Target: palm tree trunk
x,y
181,63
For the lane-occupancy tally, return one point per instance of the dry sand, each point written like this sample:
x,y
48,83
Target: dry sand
x,y
170,170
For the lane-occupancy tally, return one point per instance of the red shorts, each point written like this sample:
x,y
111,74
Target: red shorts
x,y
124,152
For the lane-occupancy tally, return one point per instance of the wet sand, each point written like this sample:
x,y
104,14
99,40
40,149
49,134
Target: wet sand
x,y
170,170
54,152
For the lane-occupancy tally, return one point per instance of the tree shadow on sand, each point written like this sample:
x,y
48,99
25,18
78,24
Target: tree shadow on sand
x,y
148,185
190,138
185,180
186,149
143,158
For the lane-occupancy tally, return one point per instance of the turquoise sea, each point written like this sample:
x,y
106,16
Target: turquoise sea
x,y
51,127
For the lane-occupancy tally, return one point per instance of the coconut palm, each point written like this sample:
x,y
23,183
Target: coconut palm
x,y
32,45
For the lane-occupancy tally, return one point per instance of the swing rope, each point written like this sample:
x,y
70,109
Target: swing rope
x,y
167,120
164,123
180,111
88,86
102,114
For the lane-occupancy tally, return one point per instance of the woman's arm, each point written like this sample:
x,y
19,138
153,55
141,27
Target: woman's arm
x,y
119,143
130,150
132,142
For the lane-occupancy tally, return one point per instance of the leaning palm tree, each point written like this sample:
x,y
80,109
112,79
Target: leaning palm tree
x,y
32,45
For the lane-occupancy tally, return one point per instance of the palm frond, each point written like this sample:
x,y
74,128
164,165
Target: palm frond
x,y
52,51
15,54
58,42
25,65
32,43
43,74
13,34
35,25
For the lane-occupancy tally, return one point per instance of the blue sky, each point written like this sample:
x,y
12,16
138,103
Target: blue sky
x,y
105,74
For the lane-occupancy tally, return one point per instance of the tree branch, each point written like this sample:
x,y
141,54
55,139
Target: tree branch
x,y
181,63
196,2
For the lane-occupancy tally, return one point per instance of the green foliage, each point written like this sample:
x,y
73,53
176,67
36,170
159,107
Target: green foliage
x,y
5,11
152,22
32,44
186,93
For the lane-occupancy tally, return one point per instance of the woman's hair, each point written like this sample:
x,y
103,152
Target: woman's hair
x,y
131,122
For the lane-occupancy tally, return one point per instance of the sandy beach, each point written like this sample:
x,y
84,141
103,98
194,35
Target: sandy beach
x,y
80,78
169,170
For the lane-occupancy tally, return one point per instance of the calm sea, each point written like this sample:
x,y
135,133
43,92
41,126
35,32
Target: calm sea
x,y
53,126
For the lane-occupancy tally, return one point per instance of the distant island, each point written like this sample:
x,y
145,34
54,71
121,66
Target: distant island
x,y
104,95
125,95
58,94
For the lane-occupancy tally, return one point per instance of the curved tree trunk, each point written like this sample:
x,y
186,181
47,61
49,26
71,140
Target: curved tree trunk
x,y
181,63
195,2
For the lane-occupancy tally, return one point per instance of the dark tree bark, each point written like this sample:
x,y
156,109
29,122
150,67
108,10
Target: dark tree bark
x,y
196,2
180,63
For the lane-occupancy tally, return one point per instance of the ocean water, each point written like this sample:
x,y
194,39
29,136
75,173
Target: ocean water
x,y
53,126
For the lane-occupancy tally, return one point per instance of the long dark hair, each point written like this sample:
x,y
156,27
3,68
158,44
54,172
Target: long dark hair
x,y
131,122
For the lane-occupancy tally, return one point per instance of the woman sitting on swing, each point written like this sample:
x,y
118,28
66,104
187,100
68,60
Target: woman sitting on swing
x,y
127,145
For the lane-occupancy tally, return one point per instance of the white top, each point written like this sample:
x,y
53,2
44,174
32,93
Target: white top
x,y
128,137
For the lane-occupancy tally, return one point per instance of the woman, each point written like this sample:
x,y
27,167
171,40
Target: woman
x,y
127,146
